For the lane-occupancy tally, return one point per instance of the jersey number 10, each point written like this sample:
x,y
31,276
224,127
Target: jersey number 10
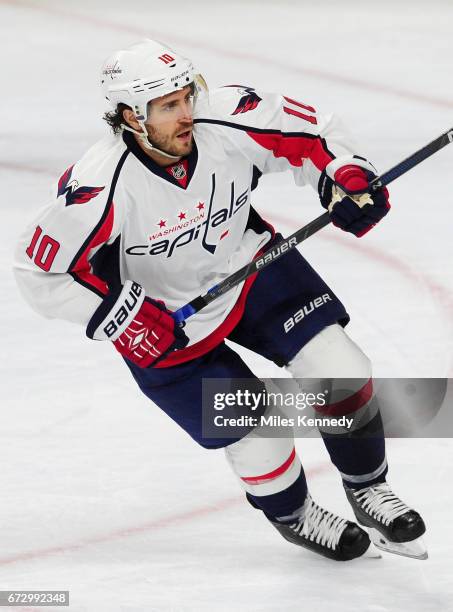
x,y
46,250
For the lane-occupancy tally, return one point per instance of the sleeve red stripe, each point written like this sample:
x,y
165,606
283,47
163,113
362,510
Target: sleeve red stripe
x,y
319,154
82,266
88,278
290,111
294,148
300,105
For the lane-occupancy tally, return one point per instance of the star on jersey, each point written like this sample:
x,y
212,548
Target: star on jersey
x,y
202,226
75,194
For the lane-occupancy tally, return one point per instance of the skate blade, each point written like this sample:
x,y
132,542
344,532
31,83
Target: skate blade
x,y
415,549
371,553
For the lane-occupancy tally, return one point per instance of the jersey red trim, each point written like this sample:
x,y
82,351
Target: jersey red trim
x,y
295,148
81,269
218,335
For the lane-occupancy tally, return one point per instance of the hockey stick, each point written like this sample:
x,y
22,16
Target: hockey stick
x,y
305,232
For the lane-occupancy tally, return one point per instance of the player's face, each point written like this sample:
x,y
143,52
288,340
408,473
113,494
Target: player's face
x,y
170,122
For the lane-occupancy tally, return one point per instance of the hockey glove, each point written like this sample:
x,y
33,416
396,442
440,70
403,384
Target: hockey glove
x,y
352,213
141,329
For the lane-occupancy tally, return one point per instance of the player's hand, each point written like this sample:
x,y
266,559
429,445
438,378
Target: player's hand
x,y
141,329
352,213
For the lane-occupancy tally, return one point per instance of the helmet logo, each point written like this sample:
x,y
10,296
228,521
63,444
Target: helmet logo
x,y
166,58
111,70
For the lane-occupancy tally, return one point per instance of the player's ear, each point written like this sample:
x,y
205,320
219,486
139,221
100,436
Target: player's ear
x,y
131,120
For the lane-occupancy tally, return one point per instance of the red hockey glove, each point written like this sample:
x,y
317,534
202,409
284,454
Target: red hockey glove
x,y
141,329
354,213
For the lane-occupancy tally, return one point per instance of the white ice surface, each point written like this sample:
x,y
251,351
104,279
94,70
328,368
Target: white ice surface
x,y
100,493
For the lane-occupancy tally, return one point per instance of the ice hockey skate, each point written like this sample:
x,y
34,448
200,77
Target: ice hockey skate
x,y
393,526
325,533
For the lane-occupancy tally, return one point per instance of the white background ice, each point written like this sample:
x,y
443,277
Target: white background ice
x,y
100,493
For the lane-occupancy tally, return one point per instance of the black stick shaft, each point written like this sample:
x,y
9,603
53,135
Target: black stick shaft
x,y
416,158
305,232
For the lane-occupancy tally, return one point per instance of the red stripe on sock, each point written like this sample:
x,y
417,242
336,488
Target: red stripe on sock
x,y
271,475
350,404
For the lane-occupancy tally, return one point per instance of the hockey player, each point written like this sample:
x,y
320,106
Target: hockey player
x,y
155,214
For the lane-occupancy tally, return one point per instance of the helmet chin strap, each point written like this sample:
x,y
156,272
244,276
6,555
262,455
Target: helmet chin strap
x,y
143,137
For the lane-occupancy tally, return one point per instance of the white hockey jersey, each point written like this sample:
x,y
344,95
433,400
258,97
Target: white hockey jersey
x,y
177,231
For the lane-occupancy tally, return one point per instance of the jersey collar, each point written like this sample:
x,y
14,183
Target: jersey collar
x,y
136,150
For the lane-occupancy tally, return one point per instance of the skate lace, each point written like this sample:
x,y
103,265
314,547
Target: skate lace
x,y
381,503
319,525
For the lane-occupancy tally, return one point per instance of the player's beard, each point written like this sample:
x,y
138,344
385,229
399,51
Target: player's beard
x,y
169,143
